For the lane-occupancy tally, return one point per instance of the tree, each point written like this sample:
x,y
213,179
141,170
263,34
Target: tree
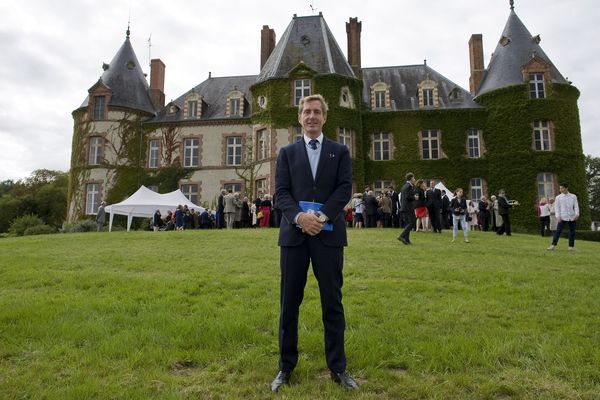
x,y
592,170
248,170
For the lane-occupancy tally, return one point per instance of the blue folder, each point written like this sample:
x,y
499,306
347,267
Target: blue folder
x,y
312,207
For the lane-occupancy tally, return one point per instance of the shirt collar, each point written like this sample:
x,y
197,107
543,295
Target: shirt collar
x,y
318,139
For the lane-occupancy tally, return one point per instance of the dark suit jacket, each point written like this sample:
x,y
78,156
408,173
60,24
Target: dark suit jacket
x,y
503,205
407,198
332,187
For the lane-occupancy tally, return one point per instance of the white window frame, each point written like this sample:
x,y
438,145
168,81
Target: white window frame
x,y
261,186
261,144
302,88
234,150
99,105
379,98
193,108
537,86
190,152
381,185
190,191
476,188
541,135
153,153
430,141
234,107
236,187
545,185
297,133
381,146
474,143
345,137
428,98
96,147
92,198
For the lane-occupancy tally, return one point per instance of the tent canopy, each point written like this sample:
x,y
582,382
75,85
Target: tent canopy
x,y
144,203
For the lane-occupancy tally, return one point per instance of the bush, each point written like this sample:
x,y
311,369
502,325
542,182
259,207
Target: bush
x,y
592,236
84,226
39,230
20,224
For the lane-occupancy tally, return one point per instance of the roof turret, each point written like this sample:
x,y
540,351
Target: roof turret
x,y
515,48
307,40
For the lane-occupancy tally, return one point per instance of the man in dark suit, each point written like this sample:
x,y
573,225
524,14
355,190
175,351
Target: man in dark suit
x,y
371,206
445,210
395,208
319,170
407,208
433,197
504,205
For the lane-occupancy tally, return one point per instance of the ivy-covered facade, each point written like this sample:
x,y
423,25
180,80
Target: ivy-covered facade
x,y
517,128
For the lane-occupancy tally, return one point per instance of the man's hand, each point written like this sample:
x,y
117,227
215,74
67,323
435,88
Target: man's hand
x,y
310,223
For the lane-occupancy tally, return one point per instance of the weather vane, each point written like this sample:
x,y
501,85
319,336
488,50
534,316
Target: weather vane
x,y
312,7
512,4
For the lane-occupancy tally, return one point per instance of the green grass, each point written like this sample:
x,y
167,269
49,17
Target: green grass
x,y
193,315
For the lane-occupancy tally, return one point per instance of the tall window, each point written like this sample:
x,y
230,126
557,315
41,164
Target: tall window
x,y
92,198
381,146
545,185
193,108
261,187
380,99
261,144
431,144
476,191
191,192
234,150
99,107
234,107
427,97
541,135
381,186
301,89
345,138
474,143
95,151
536,86
153,153
296,133
190,152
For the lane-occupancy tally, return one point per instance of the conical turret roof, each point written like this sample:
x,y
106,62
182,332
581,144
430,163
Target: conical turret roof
x,y
125,78
515,49
307,40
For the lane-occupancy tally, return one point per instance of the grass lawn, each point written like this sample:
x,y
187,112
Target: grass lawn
x,y
193,315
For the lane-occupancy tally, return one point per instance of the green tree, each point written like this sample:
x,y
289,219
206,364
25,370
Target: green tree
x,y
592,170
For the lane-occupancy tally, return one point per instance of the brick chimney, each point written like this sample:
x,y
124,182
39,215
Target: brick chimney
x,y
476,60
353,29
267,44
157,83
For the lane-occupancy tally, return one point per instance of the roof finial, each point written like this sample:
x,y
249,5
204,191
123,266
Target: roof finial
x,y
512,5
128,23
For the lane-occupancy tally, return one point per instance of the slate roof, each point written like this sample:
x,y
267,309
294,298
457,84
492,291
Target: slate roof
x,y
505,65
125,78
214,93
309,40
404,81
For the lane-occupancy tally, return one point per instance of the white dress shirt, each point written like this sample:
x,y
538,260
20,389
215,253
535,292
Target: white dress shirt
x,y
566,207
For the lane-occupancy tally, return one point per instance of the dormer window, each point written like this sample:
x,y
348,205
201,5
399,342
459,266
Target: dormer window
x,y
455,95
301,89
235,104
346,99
99,106
192,106
380,96
428,94
536,86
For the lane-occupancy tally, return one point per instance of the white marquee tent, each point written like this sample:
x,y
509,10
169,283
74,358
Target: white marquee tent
x,y
144,203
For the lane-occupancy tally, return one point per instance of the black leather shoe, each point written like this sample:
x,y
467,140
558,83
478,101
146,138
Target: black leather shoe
x,y
403,240
281,379
344,379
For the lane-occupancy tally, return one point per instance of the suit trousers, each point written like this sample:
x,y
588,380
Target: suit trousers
x,y
327,263
409,219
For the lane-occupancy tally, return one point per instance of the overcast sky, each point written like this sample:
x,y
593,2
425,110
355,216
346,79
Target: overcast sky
x,y
52,52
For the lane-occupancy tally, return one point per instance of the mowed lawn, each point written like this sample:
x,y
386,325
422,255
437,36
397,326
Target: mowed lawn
x,y
193,315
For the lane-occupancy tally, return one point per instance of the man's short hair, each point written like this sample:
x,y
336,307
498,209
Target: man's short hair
x,y
409,176
564,184
313,97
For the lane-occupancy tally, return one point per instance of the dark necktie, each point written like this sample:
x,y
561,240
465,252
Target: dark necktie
x,y
313,144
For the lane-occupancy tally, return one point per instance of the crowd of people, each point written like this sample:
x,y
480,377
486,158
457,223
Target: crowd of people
x,y
232,212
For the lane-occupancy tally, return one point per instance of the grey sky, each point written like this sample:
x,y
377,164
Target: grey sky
x,y
52,52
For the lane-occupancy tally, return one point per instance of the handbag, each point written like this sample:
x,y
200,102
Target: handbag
x,y
259,215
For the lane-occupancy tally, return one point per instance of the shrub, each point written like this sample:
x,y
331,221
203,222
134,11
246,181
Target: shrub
x,y
20,224
592,236
85,226
39,230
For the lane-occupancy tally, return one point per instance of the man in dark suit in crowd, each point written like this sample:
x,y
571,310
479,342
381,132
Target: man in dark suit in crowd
x,y
395,208
371,206
407,208
504,205
433,197
319,170
445,210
